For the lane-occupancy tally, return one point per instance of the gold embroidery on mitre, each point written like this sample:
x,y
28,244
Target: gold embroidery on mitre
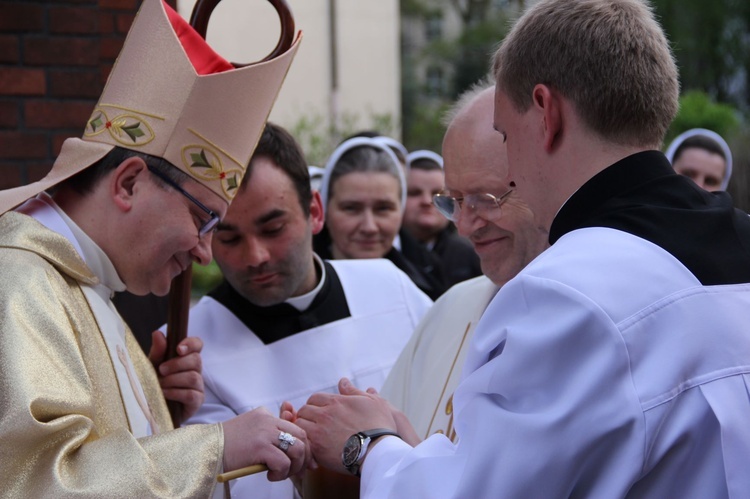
x,y
128,129
204,163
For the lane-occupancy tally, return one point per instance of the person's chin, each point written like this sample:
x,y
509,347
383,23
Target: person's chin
x,y
491,248
369,252
265,297
162,285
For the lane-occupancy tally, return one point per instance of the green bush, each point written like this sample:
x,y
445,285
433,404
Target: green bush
x,y
697,110
205,278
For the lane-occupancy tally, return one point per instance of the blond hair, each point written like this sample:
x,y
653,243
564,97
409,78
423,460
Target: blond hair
x,y
610,58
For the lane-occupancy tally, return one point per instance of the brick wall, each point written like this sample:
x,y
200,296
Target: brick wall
x,y
55,56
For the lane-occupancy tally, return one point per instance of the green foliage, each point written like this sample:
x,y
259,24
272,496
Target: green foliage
x,y
476,46
319,138
205,278
415,8
697,110
426,129
464,60
711,42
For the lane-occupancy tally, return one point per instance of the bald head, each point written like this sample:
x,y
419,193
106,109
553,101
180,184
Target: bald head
x,y
471,143
475,163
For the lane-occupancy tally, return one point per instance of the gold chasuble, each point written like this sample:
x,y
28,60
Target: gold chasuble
x,y
63,423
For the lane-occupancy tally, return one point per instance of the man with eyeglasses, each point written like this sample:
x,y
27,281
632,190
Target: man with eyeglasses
x,y
130,205
428,229
505,235
617,362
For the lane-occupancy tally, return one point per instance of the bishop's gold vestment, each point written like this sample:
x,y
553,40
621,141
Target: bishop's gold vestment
x,y
63,425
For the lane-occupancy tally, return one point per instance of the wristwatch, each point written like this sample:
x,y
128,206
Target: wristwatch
x,y
355,447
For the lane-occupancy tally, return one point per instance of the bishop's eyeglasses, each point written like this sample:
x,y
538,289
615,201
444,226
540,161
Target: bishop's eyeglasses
x,y
213,217
484,205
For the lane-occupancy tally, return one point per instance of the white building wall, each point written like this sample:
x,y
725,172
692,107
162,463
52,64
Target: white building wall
x,y
368,57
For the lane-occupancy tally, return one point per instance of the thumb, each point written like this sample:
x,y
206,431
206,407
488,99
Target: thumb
x,y
347,388
158,348
287,412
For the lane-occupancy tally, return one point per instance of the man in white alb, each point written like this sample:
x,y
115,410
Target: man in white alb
x,y
285,324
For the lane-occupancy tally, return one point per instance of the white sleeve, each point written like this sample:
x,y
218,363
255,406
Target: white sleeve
x,y
417,302
213,410
546,408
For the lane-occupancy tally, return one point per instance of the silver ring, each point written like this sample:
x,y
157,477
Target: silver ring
x,y
285,440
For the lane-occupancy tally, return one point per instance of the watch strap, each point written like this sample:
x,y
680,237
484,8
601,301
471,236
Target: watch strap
x,y
366,437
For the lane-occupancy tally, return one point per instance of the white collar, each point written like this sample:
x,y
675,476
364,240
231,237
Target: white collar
x,y
303,302
44,209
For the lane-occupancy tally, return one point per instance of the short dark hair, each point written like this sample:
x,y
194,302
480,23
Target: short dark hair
x,y
372,134
699,142
85,181
425,164
279,146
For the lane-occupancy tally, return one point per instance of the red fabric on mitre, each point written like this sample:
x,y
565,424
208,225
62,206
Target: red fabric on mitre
x,y
204,59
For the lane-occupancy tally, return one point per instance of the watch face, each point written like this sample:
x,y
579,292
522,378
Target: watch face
x,y
351,451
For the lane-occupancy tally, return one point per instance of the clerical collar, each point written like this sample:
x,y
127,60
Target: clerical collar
x,y
46,211
612,182
303,302
643,196
277,322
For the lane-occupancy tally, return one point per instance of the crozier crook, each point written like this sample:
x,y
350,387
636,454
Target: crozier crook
x,y
179,295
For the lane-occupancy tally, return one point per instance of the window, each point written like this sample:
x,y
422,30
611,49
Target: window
x,y
434,27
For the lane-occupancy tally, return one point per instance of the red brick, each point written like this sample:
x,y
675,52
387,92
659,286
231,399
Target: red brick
x,y
60,114
63,51
9,114
104,70
74,83
110,48
21,17
123,22
119,4
106,23
10,174
38,170
73,20
9,49
23,145
22,81
59,138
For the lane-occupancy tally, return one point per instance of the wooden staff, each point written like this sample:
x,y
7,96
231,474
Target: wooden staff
x,y
250,470
179,294
177,323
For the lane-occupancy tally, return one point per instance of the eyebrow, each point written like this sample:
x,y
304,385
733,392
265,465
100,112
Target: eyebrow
x,y
271,215
225,226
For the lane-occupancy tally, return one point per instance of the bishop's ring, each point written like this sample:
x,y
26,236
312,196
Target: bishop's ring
x,y
285,440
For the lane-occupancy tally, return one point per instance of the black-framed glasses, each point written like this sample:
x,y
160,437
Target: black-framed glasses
x,y
214,217
485,205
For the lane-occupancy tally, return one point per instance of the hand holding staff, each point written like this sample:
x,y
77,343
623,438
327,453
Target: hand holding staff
x,y
179,297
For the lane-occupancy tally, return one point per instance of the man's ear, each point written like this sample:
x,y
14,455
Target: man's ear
x,y
124,181
549,104
316,212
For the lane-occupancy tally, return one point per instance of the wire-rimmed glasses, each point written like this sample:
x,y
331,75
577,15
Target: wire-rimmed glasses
x,y
482,204
214,217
